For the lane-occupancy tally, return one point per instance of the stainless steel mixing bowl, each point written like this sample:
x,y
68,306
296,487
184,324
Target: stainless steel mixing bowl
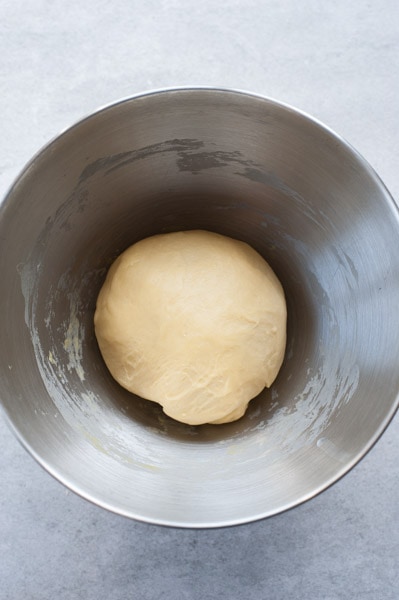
x,y
237,164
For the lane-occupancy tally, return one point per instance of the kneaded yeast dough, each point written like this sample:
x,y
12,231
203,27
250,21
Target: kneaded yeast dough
x,y
195,321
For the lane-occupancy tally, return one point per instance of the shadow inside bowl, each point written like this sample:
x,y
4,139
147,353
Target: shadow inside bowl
x,y
62,309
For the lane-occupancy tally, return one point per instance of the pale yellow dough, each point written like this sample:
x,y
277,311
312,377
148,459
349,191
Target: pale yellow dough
x,y
195,321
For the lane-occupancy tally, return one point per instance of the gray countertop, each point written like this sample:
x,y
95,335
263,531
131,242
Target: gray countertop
x,y
338,61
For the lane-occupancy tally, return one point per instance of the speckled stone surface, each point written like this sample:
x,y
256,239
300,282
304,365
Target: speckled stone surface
x,y
338,61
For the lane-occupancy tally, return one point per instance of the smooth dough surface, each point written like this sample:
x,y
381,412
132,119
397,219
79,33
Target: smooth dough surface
x,y
195,321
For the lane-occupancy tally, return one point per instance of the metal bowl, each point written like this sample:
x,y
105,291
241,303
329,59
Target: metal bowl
x,y
246,167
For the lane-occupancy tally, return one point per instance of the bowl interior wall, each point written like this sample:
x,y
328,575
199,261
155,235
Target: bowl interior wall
x,y
242,167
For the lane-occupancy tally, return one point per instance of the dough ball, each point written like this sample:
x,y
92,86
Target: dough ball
x,y
195,321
